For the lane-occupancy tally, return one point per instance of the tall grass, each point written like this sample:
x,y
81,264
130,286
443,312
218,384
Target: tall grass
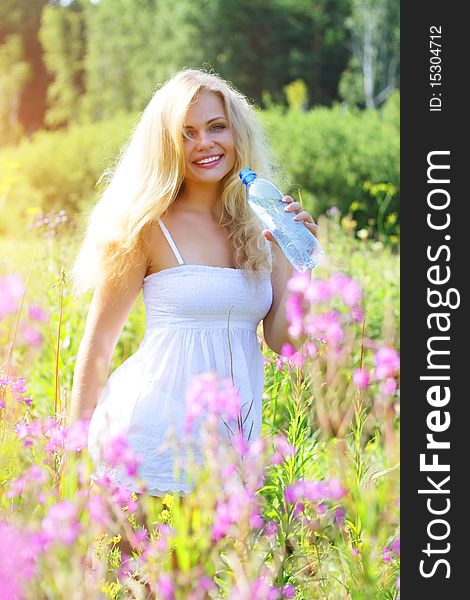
x,y
309,511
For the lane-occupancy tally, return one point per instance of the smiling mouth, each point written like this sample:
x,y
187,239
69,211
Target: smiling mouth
x,y
209,161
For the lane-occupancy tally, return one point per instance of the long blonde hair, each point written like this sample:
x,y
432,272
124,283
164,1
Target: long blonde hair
x,y
150,171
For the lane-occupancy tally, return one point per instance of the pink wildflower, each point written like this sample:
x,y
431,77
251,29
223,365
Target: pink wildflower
x,y
336,490
34,475
288,591
36,313
295,315
287,350
283,450
17,487
299,282
140,538
97,510
206,583
18,386
27,432
297,359
389,386
208,394
357,314
19,551
351,293
314,491
271,528
361,378
325,326
61,523
121,495
77,435
395,547
55,434
11,290
386,555
387,362
165,587
27,401
338,282
32,337
256,520
119,453
338,517
319,291
261,588
5,381
8,305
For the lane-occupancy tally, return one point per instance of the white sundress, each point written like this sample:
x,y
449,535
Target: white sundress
x,y
196,315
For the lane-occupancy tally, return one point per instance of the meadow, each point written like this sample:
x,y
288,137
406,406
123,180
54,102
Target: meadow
x,y
311,510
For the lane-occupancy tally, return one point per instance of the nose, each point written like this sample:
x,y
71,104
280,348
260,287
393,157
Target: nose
x,y
204,140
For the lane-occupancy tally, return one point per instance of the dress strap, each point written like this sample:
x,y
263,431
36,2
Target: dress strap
x,y
171,242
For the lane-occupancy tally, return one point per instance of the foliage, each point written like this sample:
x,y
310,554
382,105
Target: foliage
x,y
14,71
108,56
58,170
21,18
372,73
312,512
328,154
61,36
297,95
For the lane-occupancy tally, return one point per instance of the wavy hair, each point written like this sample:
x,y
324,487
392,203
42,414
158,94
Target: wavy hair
x,y
150,171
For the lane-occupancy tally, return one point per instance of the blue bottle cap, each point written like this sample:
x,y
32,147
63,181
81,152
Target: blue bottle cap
x,y
247,176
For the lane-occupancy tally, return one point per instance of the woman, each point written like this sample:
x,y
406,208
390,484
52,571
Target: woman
x,y
174,221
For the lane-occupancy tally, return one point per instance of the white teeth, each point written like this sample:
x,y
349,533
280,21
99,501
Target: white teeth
x,y
208,160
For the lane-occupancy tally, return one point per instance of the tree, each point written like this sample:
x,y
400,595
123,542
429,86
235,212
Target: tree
x,y
314,44
21,18
14,72
62,35
122,62
372,74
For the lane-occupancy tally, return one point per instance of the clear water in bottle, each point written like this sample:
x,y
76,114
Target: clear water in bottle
x,y
300,247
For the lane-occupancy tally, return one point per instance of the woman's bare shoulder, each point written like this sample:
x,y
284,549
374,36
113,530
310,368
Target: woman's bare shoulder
x,y
159,253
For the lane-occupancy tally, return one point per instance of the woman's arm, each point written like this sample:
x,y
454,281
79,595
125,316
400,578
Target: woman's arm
x,y
110,307
275,324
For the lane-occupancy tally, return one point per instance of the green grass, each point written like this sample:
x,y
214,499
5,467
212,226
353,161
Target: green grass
x,y
330,549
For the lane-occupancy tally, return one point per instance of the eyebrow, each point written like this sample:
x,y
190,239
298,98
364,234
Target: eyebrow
x,y
208,122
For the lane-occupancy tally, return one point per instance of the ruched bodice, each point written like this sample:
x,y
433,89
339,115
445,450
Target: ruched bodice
x,y
206,297
199,319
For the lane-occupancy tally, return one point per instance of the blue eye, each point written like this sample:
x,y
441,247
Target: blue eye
x,y
218,127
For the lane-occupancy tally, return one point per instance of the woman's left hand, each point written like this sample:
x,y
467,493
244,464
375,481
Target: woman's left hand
x,y
299,215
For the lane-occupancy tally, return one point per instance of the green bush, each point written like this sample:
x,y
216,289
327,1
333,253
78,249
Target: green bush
x,y
330,153
334,157
59,169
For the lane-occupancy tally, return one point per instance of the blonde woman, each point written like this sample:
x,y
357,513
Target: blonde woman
x,y
174,222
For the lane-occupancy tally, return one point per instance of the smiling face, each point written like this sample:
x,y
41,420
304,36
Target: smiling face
x,y
209,147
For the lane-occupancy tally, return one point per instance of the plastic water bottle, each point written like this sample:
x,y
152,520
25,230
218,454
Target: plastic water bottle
x,y
300,247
